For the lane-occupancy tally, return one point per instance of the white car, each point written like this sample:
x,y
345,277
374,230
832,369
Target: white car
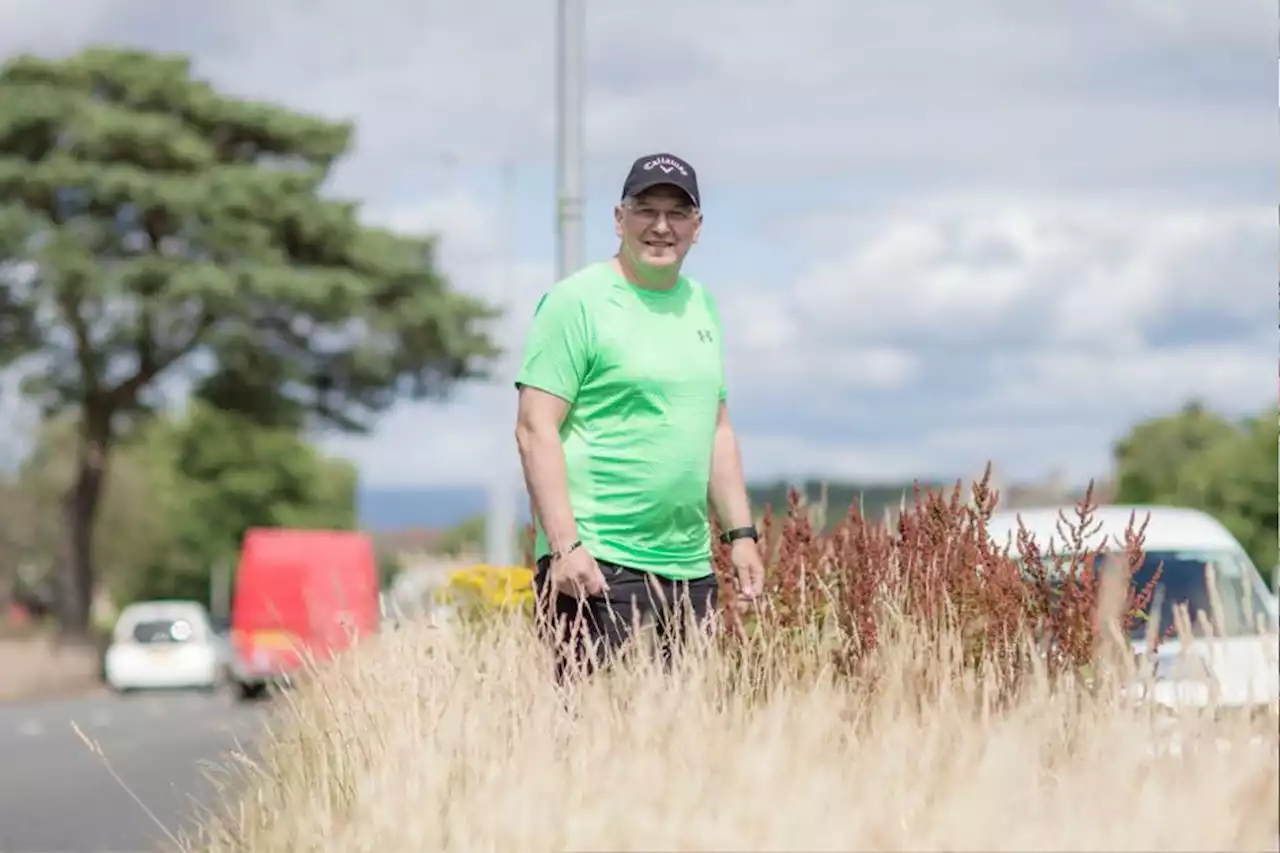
x,y
1240,663
164,645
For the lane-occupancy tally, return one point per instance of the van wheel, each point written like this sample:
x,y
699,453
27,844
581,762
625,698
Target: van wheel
x,y
249,692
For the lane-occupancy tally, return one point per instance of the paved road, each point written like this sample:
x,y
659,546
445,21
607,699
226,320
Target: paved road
x,y
57,796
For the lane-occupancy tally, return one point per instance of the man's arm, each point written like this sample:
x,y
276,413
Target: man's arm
x,y
557,357
728,488
538,422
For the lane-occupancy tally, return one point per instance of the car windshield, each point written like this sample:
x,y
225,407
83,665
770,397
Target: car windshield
x,y
151,631
1183,581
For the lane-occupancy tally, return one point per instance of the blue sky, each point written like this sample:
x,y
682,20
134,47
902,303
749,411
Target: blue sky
x,y
940,232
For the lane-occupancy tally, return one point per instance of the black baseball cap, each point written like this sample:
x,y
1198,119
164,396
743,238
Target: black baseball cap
x,y
658,169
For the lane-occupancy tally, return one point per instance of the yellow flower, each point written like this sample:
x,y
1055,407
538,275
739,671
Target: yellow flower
x,y
482,588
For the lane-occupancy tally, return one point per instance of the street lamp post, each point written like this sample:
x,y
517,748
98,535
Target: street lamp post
x,y
570,21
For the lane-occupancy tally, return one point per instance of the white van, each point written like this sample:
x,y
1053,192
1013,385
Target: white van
x,y
1244,661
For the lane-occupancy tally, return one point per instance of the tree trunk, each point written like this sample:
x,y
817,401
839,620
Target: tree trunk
x,y
76,573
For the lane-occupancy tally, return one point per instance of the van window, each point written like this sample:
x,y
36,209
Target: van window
x,y
1183,582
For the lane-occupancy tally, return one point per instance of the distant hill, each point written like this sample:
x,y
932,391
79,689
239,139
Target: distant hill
x,y
396,510
382,510
873,498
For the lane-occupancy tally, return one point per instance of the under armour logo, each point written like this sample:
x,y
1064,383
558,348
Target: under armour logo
x,y
704,335
667,165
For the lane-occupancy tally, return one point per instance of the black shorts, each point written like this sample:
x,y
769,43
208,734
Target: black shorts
x,y
587,633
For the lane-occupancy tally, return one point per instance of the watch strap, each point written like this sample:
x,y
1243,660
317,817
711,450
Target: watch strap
x,y
740,533
561,553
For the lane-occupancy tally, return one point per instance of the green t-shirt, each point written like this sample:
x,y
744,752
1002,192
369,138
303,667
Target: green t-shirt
x,y
643,371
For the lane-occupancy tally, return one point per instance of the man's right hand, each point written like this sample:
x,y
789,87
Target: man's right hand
x,y
577,574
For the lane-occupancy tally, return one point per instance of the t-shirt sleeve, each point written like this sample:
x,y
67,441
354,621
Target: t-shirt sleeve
x,y
557,350
719,329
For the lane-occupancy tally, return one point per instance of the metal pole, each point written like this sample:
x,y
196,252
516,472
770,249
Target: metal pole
x,y
570,22
499,528
220,590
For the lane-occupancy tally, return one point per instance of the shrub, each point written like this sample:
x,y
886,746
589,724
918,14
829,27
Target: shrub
x,y
482,589
936,568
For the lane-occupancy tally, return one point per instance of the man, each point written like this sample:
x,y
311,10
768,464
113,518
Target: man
x,y
624,433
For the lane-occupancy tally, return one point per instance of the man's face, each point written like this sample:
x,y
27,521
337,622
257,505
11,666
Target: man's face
x,y
658,227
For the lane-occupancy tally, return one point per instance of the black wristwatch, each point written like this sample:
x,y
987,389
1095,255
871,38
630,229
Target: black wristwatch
x,y
564,552
740,533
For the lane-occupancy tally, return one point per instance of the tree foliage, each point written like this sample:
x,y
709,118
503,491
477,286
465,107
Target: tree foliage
x,y
467,536
231,474
26,536
182,494
1196,458
34,541
154,231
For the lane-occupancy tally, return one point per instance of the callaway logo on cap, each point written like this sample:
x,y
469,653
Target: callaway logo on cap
x,y
658,169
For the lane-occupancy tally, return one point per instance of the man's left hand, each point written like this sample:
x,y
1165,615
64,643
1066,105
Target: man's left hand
x,y
748,566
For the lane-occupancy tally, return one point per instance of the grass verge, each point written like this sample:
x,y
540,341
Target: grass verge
x,y
902,687
423,740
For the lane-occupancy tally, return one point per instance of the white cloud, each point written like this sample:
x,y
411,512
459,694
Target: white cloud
x,y
29,25
1030,93
957,452
470,437
938,232
1112,386
1067,270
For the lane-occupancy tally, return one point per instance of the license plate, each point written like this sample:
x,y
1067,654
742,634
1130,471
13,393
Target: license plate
x,y
273,639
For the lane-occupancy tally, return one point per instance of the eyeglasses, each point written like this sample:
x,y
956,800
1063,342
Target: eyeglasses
x,y
676,218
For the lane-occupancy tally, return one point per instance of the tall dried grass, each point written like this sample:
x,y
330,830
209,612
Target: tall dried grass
x,y
908,708
455,741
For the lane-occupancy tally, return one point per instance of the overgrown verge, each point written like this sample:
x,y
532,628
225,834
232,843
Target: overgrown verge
x,y
901,687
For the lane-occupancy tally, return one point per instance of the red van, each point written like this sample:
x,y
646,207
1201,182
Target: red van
x,y
299,594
